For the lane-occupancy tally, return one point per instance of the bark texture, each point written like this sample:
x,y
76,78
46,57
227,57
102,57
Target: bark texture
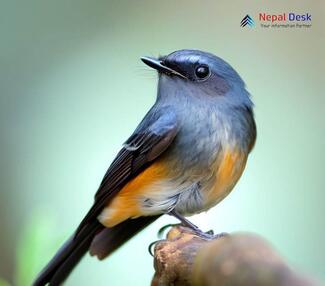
x,y
185,259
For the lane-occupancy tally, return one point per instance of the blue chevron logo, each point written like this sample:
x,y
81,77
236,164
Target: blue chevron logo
x,y
247,21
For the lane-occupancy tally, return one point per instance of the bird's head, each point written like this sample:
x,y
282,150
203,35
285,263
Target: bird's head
x,y
200,75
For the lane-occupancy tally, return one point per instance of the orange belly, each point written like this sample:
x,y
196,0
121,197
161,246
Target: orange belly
x,y
224,174
228,170
127,203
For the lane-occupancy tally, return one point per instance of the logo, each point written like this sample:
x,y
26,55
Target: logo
x,y
247,21
285,17
279,20
285,20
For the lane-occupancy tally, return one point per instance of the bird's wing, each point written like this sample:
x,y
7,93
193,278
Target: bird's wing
x,y
153,136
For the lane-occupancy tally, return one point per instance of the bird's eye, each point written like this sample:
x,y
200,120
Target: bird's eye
x,y
202,71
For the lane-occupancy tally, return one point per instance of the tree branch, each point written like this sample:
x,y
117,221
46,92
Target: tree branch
x,y
234,260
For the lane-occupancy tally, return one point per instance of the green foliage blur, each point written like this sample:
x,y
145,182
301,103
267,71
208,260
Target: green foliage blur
x,y
39,240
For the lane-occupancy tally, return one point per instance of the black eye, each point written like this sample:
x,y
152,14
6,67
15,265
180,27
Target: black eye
x,y
202,71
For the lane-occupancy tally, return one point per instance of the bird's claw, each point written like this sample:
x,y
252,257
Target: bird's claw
x,y
163,228
151,245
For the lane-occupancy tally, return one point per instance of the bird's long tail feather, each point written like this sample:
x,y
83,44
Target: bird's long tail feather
x,y
94,237
70,253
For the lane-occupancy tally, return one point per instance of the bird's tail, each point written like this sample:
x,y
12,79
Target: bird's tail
x,y
95,237
70,253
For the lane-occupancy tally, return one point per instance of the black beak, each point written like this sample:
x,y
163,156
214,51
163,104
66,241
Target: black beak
x,y
160,67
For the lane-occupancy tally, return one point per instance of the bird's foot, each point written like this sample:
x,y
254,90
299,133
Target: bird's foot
x,y
160,235
165,227
209,235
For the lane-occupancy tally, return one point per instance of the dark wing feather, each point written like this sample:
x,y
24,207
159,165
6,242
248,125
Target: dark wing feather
x,y
153,136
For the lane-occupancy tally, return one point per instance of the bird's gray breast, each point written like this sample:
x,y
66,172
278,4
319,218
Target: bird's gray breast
x,y
200,138
204,136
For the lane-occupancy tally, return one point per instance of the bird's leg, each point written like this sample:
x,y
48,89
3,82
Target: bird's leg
x,y
183,220
199,232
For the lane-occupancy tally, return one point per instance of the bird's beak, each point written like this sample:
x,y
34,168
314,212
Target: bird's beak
x,y
160,67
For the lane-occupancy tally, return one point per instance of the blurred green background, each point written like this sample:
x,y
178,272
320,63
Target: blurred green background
x,y
73,89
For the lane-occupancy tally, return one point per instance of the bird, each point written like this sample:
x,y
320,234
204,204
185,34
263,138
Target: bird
x,y
184,157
